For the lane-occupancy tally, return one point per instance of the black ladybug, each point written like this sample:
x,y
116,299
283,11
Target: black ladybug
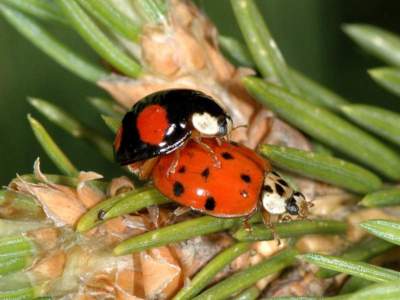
x,y
163,121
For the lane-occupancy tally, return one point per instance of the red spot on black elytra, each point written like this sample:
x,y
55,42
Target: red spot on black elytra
x,y
152,123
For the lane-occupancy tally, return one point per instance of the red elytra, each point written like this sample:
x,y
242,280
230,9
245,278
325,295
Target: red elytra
x,y
230,190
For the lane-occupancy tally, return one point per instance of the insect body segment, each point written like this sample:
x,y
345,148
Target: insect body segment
x,y
164,121
243,183
229,190
278,198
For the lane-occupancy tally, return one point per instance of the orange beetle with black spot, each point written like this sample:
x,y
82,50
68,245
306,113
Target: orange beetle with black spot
x,y
164,121
242,183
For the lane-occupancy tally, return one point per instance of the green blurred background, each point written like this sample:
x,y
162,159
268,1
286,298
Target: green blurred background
x,y
307,31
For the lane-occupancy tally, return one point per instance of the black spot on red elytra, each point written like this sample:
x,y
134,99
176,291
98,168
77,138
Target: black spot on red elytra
x,y
205,173
210,203
182,170
226,155
246,178
178,188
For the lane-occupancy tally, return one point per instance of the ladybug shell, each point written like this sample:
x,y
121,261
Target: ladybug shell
x,y
231,190
161,123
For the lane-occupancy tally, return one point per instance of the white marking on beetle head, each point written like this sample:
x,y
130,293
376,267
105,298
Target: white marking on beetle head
x,y
206,124
273,203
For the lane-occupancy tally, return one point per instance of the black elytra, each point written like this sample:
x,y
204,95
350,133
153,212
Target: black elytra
x,y
180,105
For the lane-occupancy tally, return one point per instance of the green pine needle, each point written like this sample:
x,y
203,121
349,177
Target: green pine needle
x,y
205,276
175,233
290,229
141,199
21,294
355,268
316,93
112,123
250,294
151,11
62,54
386,197
107,107
322,167
382,122
123,203
248,277
60,160
237,52
16,246
387,230
382,291
354,284
361,251
389,78
381,43
93,35
326,127
14,264
262,46
116,21
73,126
41,9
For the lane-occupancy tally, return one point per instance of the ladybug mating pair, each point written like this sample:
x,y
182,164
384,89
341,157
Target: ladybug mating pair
x,y
177,137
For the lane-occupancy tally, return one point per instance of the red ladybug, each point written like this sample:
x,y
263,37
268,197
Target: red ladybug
x,y
164,121
243,182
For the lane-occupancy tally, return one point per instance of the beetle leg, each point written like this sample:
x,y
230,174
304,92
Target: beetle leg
x,y
179,211
247,225
146,168
267,219
217,162
172,168
284,218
